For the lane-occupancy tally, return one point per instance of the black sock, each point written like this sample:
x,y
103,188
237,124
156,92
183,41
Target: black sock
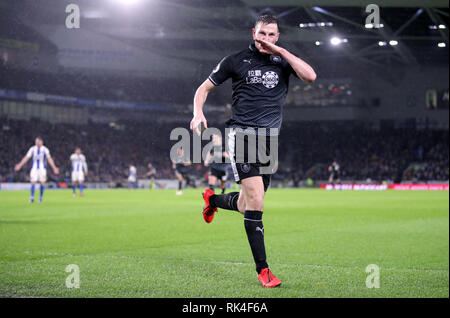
x,y
225,201
255,233
180,184
223,190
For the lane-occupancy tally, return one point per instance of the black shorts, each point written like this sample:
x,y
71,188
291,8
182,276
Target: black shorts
x,y
245,165
334,175
219,174
181,170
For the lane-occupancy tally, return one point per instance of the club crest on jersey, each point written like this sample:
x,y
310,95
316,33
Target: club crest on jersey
x,y
275,59
270,79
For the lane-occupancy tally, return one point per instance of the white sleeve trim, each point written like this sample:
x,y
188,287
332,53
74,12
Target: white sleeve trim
x,y
210,78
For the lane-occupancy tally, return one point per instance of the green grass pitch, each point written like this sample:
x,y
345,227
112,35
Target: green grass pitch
x,y
155,244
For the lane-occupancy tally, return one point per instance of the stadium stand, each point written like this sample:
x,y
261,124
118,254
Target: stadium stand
x,y
391,155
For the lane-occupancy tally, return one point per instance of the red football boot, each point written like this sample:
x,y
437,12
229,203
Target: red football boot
x,y
208,211
267,279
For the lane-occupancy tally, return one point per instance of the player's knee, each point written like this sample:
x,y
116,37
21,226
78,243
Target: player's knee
x,y
241,204
254,201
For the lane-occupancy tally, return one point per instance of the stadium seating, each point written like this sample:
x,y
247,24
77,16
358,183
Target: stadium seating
x,y
364,155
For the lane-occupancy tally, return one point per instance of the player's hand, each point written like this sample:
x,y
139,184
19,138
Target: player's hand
x,y
206,164
56,170
268,48
85,173
17,167
196,121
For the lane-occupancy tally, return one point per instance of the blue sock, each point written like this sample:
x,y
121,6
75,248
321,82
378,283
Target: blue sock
x,y
74,188
32,191
41,194
81,188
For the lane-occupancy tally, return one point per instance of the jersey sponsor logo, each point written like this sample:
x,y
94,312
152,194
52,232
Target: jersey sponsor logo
x,y
269,79
247,61
254,77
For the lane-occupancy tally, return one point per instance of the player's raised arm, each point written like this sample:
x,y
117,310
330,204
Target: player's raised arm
x,y
199,101
301,68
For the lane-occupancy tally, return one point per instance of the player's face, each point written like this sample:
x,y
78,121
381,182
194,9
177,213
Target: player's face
x,y
78,151
265,32
38,142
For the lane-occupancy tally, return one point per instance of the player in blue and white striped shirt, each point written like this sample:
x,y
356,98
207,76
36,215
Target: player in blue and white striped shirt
x,y
79,170
132,177
39,155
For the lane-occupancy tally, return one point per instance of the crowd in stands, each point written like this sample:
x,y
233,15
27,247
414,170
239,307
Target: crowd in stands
x,y
99,86
109,150
306,151
368,155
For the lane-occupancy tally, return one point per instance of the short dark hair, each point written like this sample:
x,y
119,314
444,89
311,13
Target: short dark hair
x,y
266,19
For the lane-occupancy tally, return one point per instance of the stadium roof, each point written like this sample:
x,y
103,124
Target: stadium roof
x,y
199,31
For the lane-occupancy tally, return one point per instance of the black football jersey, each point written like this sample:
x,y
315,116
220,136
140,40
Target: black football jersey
x,y
259,83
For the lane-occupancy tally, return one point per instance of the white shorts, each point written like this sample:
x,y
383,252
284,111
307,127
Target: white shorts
x,y
131,179
38,175
77,176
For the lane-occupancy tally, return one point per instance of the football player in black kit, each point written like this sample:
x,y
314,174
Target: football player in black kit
x,y
180,167
335,173
215,159
260,79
